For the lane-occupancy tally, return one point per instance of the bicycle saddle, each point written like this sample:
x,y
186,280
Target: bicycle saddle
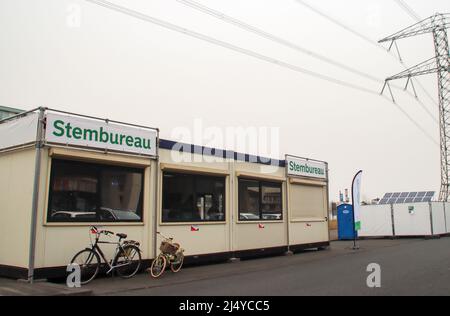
x,y
121,235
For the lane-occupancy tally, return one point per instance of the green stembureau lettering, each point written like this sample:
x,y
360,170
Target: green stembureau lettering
x,y
77,133
130,141
104,137
90,135
304,168
147,144
58,125
69,130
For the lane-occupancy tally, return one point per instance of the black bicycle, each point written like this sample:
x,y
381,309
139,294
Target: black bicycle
x,y
126,262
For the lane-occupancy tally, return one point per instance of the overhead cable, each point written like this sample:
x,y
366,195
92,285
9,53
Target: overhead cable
x,y
206,38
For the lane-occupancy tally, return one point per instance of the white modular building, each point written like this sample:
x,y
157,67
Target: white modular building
x,y
61,173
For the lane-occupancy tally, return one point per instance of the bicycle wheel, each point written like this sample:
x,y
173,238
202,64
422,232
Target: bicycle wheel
x,y
158,266
128,261
176,265
89,262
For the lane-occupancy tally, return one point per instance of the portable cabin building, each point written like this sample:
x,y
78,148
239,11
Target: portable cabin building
x,y
62,173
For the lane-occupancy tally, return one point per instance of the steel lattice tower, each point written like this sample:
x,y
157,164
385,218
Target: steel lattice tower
x,y
440,64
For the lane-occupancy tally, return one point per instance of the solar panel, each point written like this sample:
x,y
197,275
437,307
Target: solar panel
x,y
407,197
387,195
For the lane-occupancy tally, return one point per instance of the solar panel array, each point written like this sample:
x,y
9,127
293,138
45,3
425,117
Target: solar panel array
x,y
406,197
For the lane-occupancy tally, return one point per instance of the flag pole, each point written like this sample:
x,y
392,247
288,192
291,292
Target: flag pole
x,y
355,231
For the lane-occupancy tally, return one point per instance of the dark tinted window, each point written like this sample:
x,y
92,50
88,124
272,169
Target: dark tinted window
x,y
249,196
193,198
81,192
260,200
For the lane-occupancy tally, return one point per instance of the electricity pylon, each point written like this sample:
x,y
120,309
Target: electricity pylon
x,y
440,64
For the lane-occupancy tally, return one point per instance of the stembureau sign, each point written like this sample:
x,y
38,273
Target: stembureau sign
x,y
305,168
78,131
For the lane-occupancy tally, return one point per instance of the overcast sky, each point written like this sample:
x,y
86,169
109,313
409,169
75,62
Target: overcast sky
x,y
116,66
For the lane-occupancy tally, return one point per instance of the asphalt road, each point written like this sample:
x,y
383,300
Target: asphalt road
x,y
408,267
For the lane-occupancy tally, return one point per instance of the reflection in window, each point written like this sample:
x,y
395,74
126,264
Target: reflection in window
x,y
91,192
248,200
193,198
271,201
259,200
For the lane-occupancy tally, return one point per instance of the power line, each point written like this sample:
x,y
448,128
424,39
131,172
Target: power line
x,y
229,46
341,24
247,52
440,64
226,18
415,16
250,28
368,40
408,10
416,124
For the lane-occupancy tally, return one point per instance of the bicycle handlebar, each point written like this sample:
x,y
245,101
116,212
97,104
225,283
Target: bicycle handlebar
x,y
95,230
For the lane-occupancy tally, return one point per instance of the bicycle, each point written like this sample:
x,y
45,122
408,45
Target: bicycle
x,y
171,253
124,263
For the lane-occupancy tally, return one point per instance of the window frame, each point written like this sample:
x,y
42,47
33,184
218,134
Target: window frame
x,y
100,165
261,183
195,176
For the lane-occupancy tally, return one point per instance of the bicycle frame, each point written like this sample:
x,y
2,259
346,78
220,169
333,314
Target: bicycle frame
x,y
96,248
174,260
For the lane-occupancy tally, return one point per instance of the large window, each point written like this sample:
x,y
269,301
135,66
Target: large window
x,y
260,200
87,192
193,198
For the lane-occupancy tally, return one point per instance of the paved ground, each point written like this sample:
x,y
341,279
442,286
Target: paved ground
x,y
409,267
22,288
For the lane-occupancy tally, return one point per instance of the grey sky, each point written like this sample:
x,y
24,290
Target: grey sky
x,y
119,67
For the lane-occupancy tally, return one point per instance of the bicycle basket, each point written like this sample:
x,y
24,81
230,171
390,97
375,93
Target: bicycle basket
x,y
168,248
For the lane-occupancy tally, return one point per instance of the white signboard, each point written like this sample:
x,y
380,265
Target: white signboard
x,y
305,168
19,131
79,131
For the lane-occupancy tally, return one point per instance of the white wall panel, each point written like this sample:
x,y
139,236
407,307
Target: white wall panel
x,y
439,227
412,223
447,216
376,221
